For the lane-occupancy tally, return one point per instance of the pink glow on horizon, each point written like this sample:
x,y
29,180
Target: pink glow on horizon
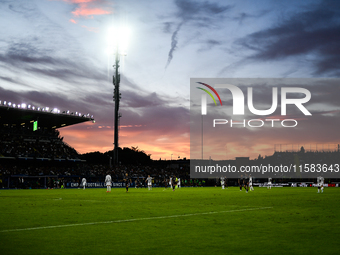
x,y
88,137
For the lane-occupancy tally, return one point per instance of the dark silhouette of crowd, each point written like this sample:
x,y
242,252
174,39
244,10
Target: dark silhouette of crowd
x,y
44,144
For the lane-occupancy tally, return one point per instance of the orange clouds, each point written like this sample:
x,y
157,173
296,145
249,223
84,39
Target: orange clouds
x,y
88,8
89,137
83,10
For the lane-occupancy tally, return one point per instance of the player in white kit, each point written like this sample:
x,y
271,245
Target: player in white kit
x,y
83,182
320,182
170,181
149,180
251,183
179,183
108,182
269,185
222,182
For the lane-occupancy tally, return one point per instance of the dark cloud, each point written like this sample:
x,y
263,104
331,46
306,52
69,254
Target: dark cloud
x,y
201,14
136,100
188,9
167,27
158,121
43,99
174,42
314,32
41,50
209,44
137,107
8,79
25,57
241,17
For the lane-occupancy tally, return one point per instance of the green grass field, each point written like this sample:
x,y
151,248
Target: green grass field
x,y
187,221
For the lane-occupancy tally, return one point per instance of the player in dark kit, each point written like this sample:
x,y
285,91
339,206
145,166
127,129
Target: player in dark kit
x,y
246,184
137,183
127,182
240,182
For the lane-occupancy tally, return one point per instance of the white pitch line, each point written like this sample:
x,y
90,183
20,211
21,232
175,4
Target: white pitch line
x,y
130,220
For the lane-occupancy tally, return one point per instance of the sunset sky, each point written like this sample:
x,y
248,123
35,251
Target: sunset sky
x,y
55,53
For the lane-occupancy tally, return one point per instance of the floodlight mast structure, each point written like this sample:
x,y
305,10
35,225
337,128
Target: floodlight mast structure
x,y
116,99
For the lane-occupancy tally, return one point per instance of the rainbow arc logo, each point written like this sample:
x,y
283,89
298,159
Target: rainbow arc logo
x,y
212,89
204,98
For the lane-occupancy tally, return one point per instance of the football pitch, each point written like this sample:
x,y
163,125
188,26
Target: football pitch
x,y
186,221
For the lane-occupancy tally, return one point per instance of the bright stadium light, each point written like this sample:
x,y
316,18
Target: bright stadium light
x,y
118,38
23,106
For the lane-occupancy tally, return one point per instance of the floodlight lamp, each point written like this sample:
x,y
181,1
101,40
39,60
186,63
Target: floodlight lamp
x,y
9,103
118,39
14,105
23,105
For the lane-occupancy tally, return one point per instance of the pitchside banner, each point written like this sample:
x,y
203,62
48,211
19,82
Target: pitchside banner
x,y
279,128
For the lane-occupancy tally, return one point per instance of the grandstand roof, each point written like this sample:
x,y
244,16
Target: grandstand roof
x,y
46,119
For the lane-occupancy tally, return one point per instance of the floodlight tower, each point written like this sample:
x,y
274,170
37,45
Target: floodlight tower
x,y
116,99
119,39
